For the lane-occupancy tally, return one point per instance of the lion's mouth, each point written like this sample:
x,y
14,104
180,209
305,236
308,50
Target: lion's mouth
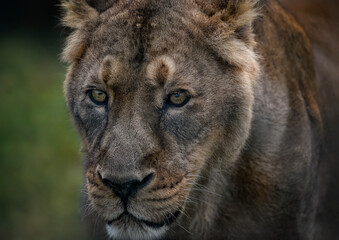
x,y
169,219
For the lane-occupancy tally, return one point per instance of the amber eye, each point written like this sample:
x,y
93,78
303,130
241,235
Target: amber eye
x,y
98,97
178,98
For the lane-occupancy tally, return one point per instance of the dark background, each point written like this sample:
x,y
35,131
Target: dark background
x,y
40,164
40,167
38,16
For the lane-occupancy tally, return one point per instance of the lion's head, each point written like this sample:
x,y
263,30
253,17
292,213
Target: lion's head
x,y
161,92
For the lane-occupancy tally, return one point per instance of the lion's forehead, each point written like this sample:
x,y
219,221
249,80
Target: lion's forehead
x,y
152,32
132,55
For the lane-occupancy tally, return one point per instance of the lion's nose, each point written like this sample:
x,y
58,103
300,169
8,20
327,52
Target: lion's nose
x,y
125,187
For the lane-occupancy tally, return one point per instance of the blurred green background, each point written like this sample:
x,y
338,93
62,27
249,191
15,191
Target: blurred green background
x,y
40,164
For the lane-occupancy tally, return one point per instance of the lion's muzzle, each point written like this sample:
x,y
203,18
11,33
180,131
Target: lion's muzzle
x,y
124,187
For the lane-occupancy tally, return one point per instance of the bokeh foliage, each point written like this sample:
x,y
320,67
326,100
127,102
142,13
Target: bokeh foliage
x,y
40,166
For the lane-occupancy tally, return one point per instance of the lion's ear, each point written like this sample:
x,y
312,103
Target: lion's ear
x,y
227,26
231,17
78,12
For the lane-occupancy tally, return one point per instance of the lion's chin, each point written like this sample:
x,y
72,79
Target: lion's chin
x,y
118,232
126,226
134,229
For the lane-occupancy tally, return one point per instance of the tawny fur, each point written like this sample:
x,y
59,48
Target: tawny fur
x,y
240,159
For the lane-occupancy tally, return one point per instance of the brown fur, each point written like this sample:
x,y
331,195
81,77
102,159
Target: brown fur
x,y
240,159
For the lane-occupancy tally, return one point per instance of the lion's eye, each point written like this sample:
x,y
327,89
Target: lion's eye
x,y
98,97
178,98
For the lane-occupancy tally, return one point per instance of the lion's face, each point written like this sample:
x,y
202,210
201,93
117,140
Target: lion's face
x,y
156,107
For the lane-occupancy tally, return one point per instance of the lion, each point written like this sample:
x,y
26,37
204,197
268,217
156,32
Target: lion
x,y
199,119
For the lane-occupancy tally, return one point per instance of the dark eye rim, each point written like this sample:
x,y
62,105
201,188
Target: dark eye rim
x,y
168,102
90,94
